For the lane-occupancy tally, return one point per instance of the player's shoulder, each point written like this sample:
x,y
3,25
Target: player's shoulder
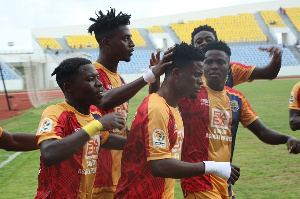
x,y
297,86
239,65
156,103
233,91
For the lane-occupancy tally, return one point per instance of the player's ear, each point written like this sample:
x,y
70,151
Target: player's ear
x,y
175,72
67,87
105,42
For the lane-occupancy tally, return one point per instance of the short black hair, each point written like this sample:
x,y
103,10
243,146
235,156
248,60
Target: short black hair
x,y
217,45
104,24
67,68
182,54
204,28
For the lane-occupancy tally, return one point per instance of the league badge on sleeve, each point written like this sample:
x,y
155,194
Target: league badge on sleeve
x,y
46,125
159,138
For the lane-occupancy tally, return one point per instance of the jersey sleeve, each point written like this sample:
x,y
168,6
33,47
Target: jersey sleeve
x,y
157,139
295,97
104,136
1,131
47,127
247,114
241,73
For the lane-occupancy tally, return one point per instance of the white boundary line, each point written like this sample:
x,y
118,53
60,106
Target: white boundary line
x,y
10,158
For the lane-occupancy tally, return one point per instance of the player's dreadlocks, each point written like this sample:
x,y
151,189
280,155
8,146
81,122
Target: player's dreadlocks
x,y
67,68
204,28
104,24
217,45
183,54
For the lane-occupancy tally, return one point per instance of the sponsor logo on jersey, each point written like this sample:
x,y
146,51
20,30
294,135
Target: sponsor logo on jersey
x,y
292,98
46,125
159,138
204,102
220,118
234,105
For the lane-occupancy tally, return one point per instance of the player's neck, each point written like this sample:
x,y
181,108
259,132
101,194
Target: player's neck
x,y
171,95
216,87
108,62
81,108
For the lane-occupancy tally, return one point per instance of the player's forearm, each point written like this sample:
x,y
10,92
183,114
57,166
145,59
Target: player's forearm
x,y
294,119
115,142
272,137
171,168
117,96
273,68
54,151
24,142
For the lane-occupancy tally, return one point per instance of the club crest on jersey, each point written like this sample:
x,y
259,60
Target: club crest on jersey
x,y
234,105
46,125
292,98
159,138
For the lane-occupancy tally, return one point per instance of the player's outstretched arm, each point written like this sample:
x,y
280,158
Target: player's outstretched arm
x,y
171,168
272,69
54,151
270,136
115,142
295,119
117,96
18,141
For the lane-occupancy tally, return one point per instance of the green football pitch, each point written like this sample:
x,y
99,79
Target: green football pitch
x,y
266,171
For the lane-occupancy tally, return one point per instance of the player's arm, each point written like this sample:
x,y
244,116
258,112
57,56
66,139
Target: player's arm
x,y
294,119
117,96
115,142
54,151
272,69
18,141
272,137
171,168
154,60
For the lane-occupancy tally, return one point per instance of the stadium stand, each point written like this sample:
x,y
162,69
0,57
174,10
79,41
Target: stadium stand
x,y
294,15
82,41
155,29
272,19
231,28
9,73
137,38
49,43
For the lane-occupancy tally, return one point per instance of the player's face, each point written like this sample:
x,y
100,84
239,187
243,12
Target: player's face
x,y
216,65
121,44
191,79
202,38
86,87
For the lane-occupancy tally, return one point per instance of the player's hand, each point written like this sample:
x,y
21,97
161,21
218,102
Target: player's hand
x,y
159,69
235,173
274,51
293,145
112,121
154,60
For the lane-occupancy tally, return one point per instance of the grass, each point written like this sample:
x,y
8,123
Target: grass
x,y
266,171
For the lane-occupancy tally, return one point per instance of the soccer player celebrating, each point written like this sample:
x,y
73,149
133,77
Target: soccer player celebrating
x,y
295,108
150,160
211,122
69,136
17,141
239,73
115,44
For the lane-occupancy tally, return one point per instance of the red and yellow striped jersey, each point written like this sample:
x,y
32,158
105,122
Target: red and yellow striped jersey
x,y
156,133
210,123
74,177
295,97
109,168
